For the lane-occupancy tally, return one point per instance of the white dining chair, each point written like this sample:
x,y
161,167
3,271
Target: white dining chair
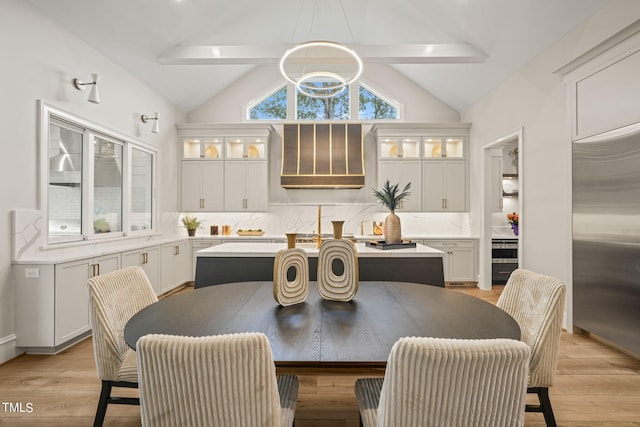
x,y
536,302
436,382
113,299
224,381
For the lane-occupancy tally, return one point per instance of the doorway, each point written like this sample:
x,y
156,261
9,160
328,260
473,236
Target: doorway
x,y
502,193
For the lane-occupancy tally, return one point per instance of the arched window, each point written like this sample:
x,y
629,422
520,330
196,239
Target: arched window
x,y
333,108
368,106
373,107
272,107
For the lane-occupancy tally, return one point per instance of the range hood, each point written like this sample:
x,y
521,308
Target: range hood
x,y
322,155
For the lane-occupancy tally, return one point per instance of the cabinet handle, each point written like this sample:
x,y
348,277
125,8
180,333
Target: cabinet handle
x,y
244,203
201,203
177,250
445,203
97,269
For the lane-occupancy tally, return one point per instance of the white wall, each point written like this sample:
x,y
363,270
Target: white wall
x,y
40,59
534,98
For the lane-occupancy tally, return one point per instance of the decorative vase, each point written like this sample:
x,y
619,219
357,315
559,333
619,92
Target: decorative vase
x,y
191,232
514,227
291,240
337,229
392,231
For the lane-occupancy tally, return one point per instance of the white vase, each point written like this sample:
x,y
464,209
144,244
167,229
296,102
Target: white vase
x,y
392,229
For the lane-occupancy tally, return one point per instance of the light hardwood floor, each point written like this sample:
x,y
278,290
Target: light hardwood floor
x,y
595,386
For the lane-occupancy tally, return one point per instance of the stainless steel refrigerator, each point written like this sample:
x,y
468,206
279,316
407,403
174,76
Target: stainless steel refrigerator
x,y
606,236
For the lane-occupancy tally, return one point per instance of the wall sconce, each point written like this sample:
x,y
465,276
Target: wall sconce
x,y
93,95
156,125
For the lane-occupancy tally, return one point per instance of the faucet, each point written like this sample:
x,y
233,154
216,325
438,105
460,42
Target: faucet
x,y
318,238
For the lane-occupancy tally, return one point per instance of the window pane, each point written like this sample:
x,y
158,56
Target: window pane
x,y
334,108
107,186
141,190
272,107
374,107
65,181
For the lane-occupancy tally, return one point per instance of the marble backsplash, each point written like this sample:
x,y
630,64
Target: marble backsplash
x,y
29,240
303,218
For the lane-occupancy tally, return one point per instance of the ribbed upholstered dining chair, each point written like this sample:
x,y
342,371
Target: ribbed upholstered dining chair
x,y
223,381
435,382
536,302
113,299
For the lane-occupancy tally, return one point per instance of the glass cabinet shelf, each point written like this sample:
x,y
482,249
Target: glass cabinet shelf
x,y
210,148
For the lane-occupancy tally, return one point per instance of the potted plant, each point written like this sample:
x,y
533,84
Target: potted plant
x,y
191,223
513,219
390,197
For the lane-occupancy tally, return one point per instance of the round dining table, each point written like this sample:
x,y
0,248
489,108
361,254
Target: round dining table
x,y
317,332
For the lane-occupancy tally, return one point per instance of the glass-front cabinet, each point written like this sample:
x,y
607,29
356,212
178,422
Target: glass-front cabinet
x,y
224,167
442,147
399,148
202,148
246,148
430,156
99,183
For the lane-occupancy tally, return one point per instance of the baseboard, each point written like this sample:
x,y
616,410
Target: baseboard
x,y
8,348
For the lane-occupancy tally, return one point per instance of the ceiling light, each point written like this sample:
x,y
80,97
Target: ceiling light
x,y
93,95
156,126
320,68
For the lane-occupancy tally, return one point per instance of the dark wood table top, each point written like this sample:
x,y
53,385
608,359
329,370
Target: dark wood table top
x,y
317,332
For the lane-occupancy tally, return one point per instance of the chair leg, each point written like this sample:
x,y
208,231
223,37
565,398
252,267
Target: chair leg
x,y
106,398
105,393
545,405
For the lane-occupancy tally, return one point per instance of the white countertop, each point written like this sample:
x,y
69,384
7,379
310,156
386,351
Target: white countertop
x,y
252,250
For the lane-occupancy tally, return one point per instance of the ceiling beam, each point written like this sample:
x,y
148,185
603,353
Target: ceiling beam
x,y
427,53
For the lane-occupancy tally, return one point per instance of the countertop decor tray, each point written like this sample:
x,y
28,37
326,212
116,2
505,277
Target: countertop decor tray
x,y
381,244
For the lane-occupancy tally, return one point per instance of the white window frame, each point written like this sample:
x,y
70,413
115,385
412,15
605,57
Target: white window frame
x,y
354,103
46,112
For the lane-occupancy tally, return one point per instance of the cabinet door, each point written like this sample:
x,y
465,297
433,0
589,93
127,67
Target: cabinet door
x,y
151,267
455,186
212,186
256,186
174,266
149,260
71,299
432,186
234,186
411,171
191,186
462,265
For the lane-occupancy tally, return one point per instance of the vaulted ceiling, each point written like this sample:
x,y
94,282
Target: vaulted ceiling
x,y
136,33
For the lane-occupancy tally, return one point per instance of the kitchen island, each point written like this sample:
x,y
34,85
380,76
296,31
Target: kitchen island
x,y
245,262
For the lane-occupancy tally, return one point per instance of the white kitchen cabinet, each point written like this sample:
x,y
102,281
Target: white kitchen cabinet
x,y
444,186
175,265
202,186
149,260
460,260
224,167
246,185
72,294
432,157
52,301
402,172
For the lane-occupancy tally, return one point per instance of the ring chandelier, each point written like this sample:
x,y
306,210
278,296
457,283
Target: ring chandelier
x,y
321,69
